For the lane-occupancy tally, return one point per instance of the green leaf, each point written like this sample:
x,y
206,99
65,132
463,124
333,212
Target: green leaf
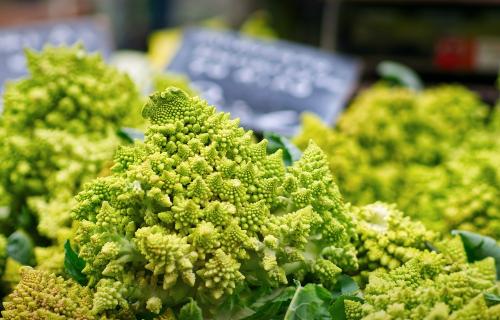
x,y
278,295
273,305
190,311
337,309
479,247
73,264
275,142
310,302
430,246
491,298
346,289
130,134
20,248
346,285
399,74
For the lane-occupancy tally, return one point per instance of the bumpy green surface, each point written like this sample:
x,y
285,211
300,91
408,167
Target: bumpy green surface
x,y
461,193
200,210
40,295
67,89
433,153
430,286
57,131
387,238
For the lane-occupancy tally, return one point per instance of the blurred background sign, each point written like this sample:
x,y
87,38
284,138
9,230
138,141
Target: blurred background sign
x,y
265,83
442,40
93,32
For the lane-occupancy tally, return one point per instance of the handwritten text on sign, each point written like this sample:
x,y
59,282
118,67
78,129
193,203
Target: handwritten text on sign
x,y
267,84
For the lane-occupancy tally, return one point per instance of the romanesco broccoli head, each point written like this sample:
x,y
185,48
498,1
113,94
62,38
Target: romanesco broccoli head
x,y
429,152
41,295
430,286
57,130
200,210
472,200
349,156
69,90
43,170
387,238
463,192
369,121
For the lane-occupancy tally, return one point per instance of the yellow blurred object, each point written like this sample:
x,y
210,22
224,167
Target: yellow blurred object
x,y
163,44
164,80
162,47
216,23
50,259
11,275
258,25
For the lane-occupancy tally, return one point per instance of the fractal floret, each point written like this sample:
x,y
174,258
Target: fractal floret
x,y
463,192
199,210
369,122
70,90
57,131
430,286
430,152
399,125
44,169
387,238
346,156
41,295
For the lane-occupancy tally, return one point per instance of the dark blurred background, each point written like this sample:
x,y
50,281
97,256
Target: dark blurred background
x,y
443,40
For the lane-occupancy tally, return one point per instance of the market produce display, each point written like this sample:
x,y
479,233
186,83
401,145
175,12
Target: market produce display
x,y
201,220
57,131
435,153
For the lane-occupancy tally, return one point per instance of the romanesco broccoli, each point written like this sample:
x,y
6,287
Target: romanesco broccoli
x,y
200,210
387,238
463,192
41,295
430,286
57,131
400,146
68,90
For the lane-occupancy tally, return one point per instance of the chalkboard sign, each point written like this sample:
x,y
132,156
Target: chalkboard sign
x,y
265,83
93,32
